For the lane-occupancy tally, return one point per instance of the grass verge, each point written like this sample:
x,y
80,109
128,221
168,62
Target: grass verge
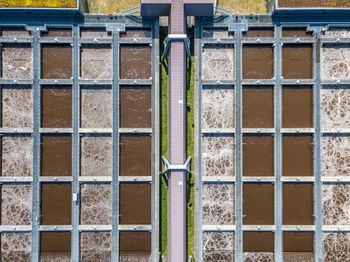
x,y
111,6
39,3
164,151
244,6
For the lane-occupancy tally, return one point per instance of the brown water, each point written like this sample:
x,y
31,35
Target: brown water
x,y
55,246
258,204
297,61
298,204
259,32
135,155
136,33
297,106
297,156
56,107
135,204
56,157
56,61
135,106
95,246
135,246
258,107
135,62
258,62
56,204
298,241
313,3
296,32
57,32
258,158
258,242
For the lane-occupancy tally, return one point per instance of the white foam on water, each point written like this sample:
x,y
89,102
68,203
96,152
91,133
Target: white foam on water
x,y
336,204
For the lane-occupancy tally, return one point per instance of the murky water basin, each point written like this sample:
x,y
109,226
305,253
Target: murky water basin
x,y
94,32
16,247
218,246
259,32
296,32
298,246
95,246
55,246
135,246
297,61
258,62
136,33
17,61
57,32
96,61
135,62
56,61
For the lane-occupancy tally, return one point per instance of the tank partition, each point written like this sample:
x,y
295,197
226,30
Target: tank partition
x,y
71,154
280,136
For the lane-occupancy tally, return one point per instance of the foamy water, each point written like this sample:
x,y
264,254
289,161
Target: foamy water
x,y
17,61
16,204
218,156
17,107
135,257
335,62
217,33
17,156
96,204
16,247
218,62
298,257
218,204
258,257
336,247
96,156
335,108
336,32
218,246
336,204
335,156
218,108
96,63
95,246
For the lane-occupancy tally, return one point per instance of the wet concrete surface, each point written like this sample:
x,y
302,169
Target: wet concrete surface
x,y
135,155
136,33
57,32
55,246
258,156
17,61
258,205
96,108
17,156
259,32
96,156
94,32
297,61
218,105
296,32
135,204
298,205
16,204
56,61
135,246
135,106
135,62
56,107
56,157
297,106
95,246
96,204
17,106
313,3
96,61
258,242
14,31
218,246
16,247
218,204
258,107
218,62
297,155
56,204
258,62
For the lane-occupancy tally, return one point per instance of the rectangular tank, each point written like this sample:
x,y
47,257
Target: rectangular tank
x,y
335,201
57,32
296,32
95,204
17,61
55,246
258,246
218,204
297,61
257,61
336,247
56,61
298,246
335,64
135,62
259,32
258,156
218,246
135,246
218,62
95,246
136,33
90,32
16,247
